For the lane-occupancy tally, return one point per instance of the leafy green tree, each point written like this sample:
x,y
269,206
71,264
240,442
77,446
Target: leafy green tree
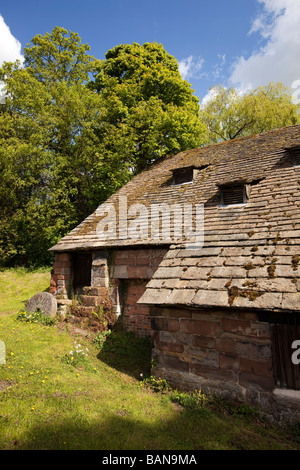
x,y
58,57
148,103
74,129
54,169
229,115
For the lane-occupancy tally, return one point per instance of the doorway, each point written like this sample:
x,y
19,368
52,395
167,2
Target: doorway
x,y
82,271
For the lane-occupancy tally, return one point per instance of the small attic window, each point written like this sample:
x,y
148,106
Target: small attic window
x,y
186,174
296,157
183,175
233,194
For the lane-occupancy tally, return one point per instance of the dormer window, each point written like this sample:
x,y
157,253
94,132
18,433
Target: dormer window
x,y
296,157
186,174
233,194
183,175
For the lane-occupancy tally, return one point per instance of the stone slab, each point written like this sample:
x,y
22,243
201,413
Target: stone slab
x,y
43,301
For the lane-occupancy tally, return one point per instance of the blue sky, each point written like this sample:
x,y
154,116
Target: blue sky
x,y
243,43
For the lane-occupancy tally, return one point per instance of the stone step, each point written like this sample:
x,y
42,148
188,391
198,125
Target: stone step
x,y
84,311
95,291
64,301
90,300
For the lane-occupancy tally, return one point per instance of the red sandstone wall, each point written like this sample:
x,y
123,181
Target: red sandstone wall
x,y
61,274
134,268
129,270
227,352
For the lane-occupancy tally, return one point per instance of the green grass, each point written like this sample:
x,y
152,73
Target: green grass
x,y
100,401
20,284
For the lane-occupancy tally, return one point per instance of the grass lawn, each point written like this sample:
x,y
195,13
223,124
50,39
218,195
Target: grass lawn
x,y
99,401
18,285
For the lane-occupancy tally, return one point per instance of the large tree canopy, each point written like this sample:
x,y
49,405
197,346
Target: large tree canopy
x,y
59,56
229,114
54,169
67,143
148,102
74,129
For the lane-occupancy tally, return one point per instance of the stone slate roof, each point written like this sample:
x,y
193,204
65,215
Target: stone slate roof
x,y
251,252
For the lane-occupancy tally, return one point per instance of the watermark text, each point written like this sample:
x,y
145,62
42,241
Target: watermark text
x,y
158,222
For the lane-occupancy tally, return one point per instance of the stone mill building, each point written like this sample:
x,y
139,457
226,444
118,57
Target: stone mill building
x,y
223,309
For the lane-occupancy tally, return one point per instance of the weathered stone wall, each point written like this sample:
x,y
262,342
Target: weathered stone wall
x,y
131,270
121,275
100,275
227,354
60,284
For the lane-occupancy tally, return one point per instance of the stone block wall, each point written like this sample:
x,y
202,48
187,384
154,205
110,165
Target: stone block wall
x,y
136,318
227,354
100,275
60,283
131,270
120,275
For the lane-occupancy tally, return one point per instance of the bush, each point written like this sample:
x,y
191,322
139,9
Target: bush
x,y
101,337
157,384
190,400
101,319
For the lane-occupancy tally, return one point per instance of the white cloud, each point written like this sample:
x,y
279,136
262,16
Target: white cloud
x,y
210,95
185,66
213,93
278,59
218,69
10,47
190,67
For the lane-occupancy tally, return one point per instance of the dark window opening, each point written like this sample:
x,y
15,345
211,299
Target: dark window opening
x,y
233,194
186,174
82,271
296,157
285,330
